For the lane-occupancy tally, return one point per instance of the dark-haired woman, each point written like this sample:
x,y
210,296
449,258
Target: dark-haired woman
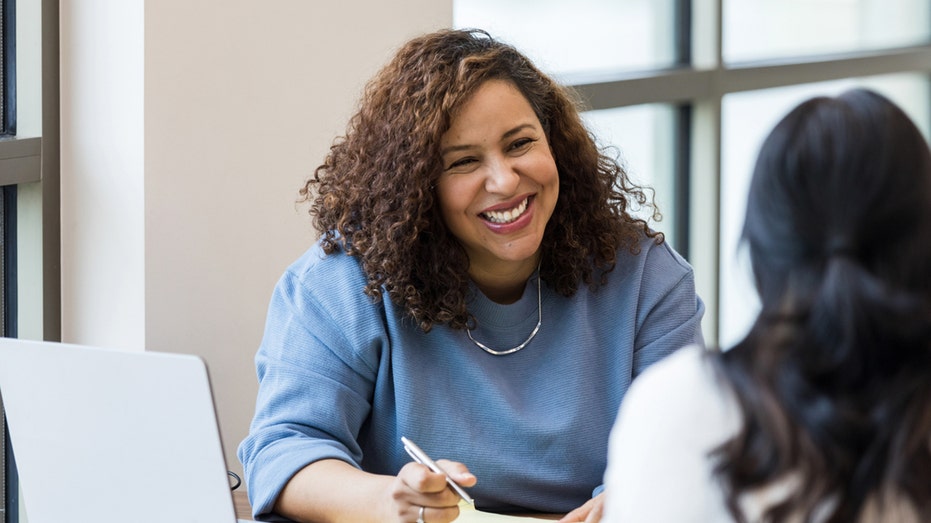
x,y
823,412
479,287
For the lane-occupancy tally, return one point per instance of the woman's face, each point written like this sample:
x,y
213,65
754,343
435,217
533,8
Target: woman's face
x,y
499,183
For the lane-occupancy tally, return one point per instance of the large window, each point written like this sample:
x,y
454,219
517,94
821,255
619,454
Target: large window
x,y
686,91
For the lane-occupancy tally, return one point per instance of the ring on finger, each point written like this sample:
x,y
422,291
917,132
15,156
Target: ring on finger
x,y
420,515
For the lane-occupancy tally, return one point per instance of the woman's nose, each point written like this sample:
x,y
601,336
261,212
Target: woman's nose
x,y
501,177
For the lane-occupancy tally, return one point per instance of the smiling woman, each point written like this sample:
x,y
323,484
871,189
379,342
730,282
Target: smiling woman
x,y
479,287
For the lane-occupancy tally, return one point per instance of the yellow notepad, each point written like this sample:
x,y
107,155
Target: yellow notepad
x,y
468,514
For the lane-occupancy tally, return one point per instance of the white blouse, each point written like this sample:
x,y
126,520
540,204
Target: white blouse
x,y
672,417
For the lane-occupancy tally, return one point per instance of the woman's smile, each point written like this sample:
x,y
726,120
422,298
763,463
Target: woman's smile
x,y
504,216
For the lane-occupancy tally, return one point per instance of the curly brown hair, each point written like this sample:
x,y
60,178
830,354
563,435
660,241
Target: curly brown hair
x,y
375,196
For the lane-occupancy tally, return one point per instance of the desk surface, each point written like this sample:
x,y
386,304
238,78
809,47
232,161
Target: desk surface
x,y
244,511
241,502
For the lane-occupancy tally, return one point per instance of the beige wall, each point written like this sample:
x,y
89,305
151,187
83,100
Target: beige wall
x,y
187,128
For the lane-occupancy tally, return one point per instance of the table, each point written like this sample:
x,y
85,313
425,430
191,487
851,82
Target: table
x,y
241,503
244,511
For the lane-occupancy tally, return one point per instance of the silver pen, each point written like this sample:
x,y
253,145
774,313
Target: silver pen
x,y
421,457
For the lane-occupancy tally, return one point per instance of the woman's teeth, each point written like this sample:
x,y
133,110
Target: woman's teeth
x,y
506,216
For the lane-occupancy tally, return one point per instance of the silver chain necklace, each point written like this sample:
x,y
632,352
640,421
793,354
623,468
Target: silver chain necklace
x,y
512,350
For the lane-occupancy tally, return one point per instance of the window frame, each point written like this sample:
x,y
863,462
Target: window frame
x,y
27,160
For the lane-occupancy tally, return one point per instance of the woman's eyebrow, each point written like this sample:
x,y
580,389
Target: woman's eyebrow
x,y
454,148
517,129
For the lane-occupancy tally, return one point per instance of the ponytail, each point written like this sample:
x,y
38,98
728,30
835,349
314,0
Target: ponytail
x,y
864,328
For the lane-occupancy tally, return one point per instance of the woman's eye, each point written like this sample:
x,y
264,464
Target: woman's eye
x,y
521,143
460,163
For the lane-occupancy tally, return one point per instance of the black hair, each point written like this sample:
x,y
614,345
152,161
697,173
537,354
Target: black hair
x,y
834,378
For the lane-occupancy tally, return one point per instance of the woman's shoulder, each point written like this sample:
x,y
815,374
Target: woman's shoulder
x,y
685,387
689,368
653,270
673,415
317,266
328,281
660,256
650,257
323,295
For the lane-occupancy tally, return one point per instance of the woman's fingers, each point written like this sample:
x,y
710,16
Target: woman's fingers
x,y
420,480
590,512
417,486
458,472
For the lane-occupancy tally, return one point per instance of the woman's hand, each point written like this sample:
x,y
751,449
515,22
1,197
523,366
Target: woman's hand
x,y
590,512
417,486
333,490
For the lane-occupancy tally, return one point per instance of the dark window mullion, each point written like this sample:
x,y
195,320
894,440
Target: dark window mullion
x,y
682,130
682,26
7,67
4,441
8,294
682,164
8,253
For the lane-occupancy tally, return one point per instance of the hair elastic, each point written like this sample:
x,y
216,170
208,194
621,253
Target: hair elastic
x,y
840,247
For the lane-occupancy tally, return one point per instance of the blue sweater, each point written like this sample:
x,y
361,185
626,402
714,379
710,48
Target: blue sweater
x,y
342,377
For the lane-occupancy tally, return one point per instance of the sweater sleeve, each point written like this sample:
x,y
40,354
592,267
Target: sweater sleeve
x,y
315,386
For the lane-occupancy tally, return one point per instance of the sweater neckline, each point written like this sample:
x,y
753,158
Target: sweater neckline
x,y
492,315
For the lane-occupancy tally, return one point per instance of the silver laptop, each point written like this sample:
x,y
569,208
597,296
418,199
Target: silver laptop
x,y
109,436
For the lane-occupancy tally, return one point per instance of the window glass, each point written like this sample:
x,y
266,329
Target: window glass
x,y
585,36
641,137
746,120
759,29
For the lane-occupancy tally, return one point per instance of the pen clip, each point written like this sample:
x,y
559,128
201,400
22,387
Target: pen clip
x,y
418,455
